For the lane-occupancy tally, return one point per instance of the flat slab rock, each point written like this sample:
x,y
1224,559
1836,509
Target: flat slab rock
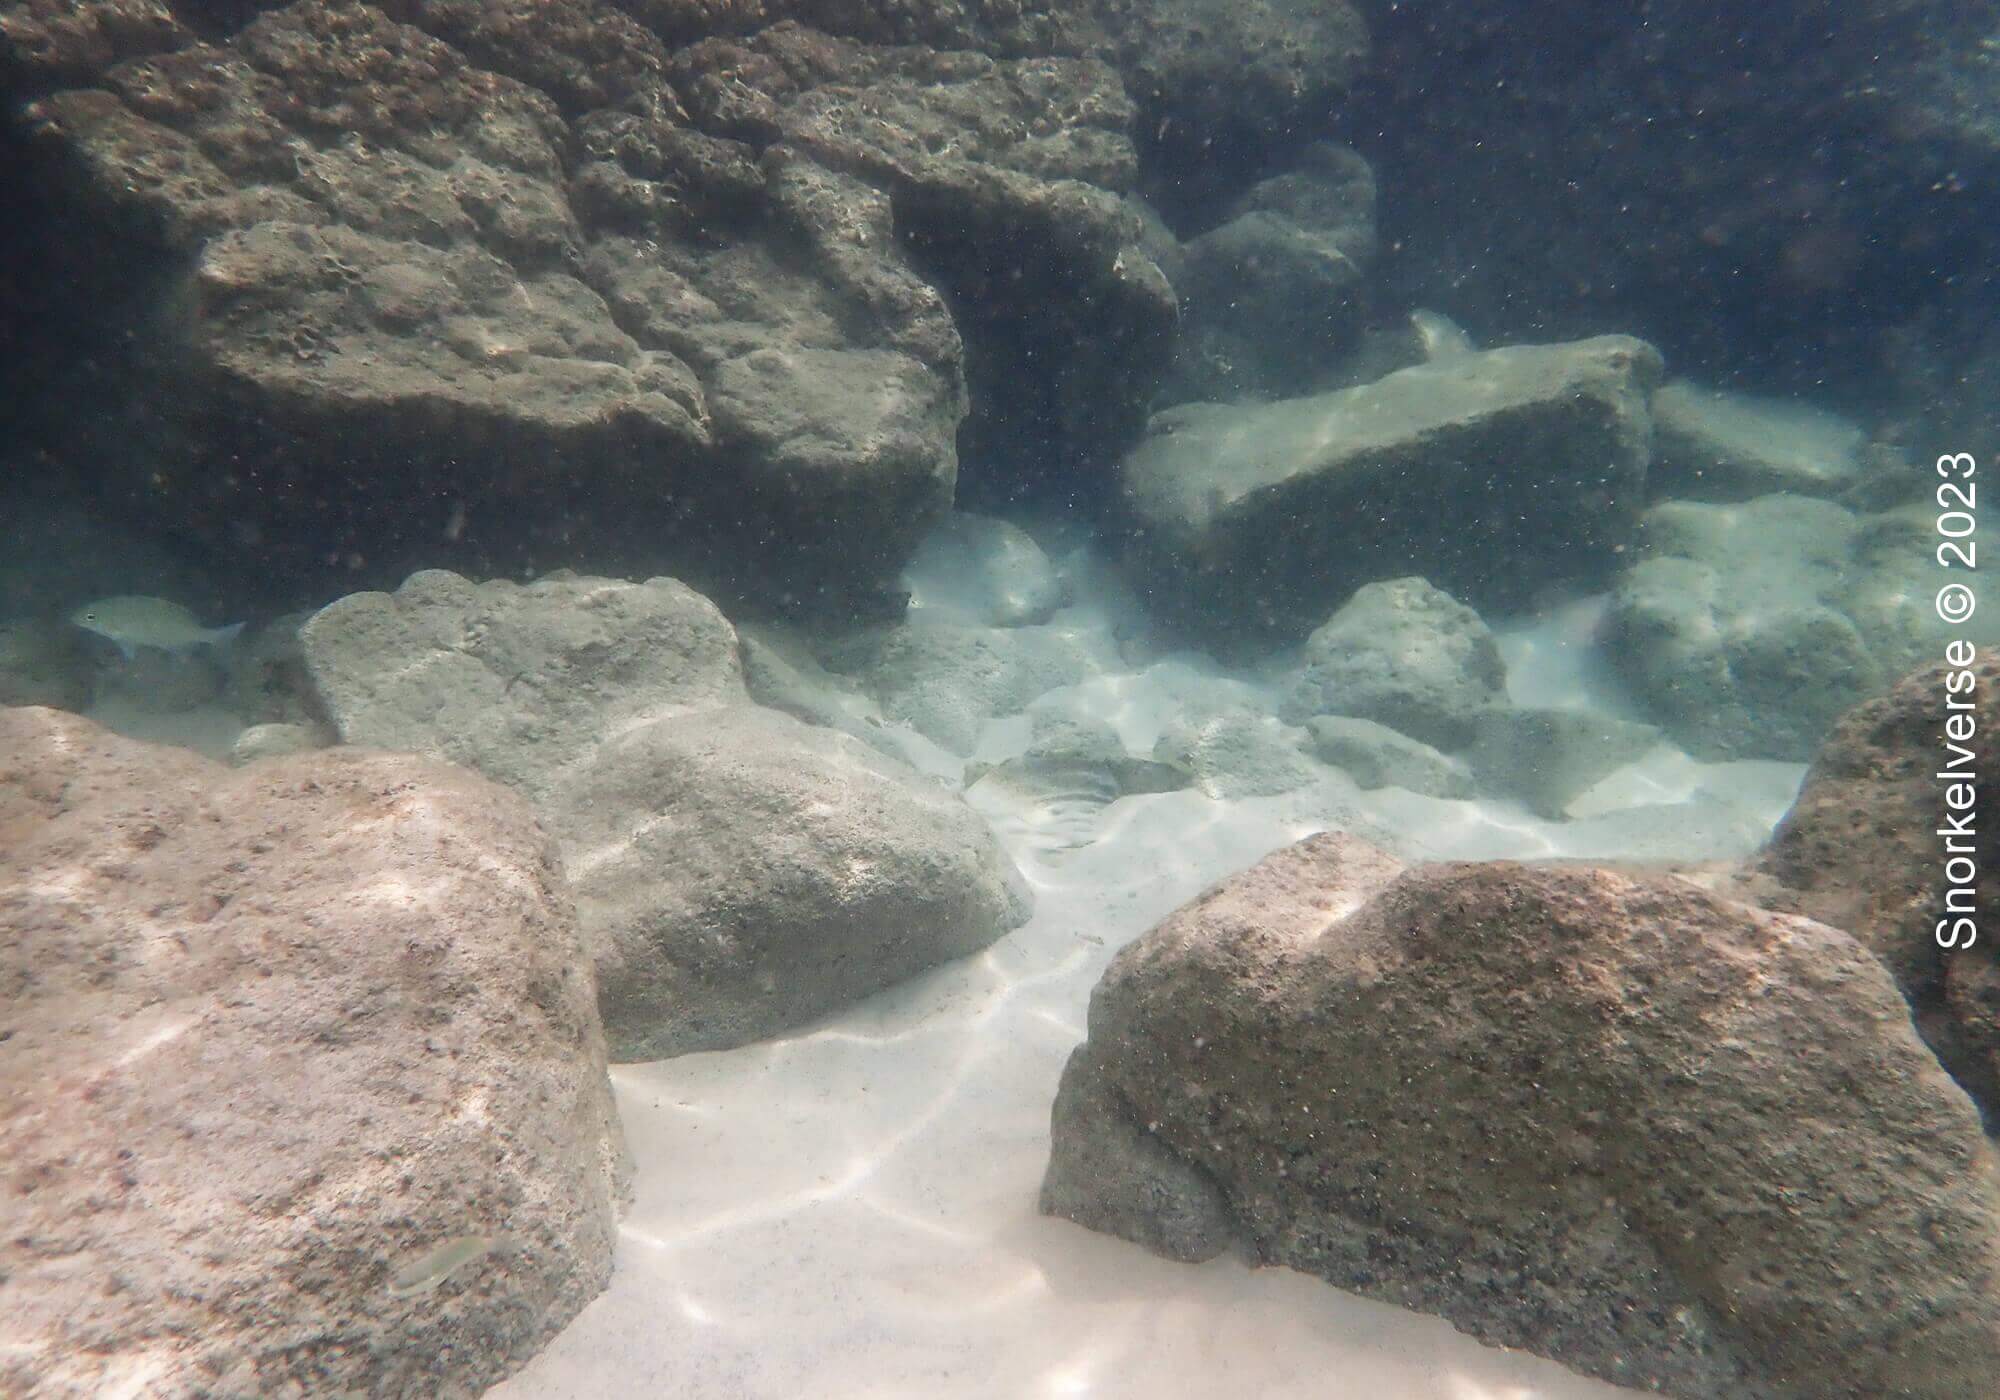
x,y
271,1034
1680,1143
1267,516
737,872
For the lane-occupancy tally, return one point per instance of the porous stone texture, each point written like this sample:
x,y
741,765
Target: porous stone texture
x,y
269,1033
1711,446
1502,470
1676,1142
737,872
488,284
1375,755
1746,630
1548,757
1405,654
1861,850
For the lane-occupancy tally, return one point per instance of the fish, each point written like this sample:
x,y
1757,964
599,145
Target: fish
x,y
433,1266
133,621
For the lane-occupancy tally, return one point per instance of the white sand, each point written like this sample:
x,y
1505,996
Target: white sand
x,y
851,1211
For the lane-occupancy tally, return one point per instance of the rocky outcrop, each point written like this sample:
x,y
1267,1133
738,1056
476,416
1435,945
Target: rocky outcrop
x,y
737,872
490,284
272,1036
1676,1142
1500,470
1861,849
1746,630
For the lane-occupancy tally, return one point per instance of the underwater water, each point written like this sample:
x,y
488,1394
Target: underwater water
x,y
1074,698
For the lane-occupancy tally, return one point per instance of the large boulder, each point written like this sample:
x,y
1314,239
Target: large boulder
x,y
1500,471
273,1038
737,872
1669,1140
1866,847
478,284
1745,630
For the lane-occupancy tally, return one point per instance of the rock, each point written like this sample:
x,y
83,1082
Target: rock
x,y
748,873
1271,299
1407,655
1219,84
737,872
975,569
261,741
325,1012
1667,1140
43,663
1237,753
1503,470
1375,755
947,679
1860,849
1547,758
1711,446
1746,630
521,247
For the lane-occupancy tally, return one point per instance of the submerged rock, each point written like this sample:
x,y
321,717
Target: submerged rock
x,y
737,872
1747,629
1675,1142
504,283
268,1032
1375,755
1547,758
1861,849
1404,654
1500,470
1711,446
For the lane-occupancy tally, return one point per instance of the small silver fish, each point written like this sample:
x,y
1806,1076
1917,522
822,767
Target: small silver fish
x,y
433,1266
133,621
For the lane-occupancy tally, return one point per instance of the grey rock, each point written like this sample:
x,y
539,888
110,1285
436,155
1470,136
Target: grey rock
x,y
1746,630
517,248
1711,1159
737,872
1375,755
1237,753
1502,470
325,1012
1712,446
1547,757
1272,298
947,679
1404,654
746,873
